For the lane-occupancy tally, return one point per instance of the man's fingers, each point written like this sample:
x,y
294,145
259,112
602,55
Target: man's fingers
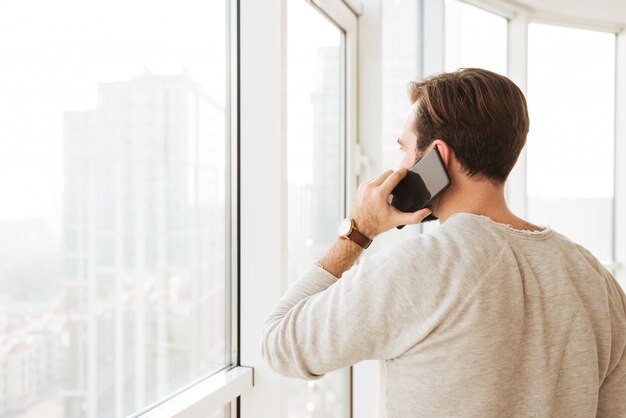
x,y
381,178
392,180
411,218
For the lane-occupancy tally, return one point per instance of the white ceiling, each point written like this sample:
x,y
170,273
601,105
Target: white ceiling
x,y
608,11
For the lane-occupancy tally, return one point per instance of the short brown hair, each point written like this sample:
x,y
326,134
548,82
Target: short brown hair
x,y
481,115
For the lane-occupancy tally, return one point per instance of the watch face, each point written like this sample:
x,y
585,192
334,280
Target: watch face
x,y
344,227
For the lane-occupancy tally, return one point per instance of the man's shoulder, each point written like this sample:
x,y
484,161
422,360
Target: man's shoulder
x,y
463,245
612,286
464,233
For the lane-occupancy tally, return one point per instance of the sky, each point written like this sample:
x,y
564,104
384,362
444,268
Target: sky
x,y
54,54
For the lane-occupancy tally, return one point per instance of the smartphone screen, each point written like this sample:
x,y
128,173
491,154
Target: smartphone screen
x,y
426,180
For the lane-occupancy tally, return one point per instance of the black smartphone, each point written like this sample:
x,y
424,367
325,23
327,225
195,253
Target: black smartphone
x,y
426,180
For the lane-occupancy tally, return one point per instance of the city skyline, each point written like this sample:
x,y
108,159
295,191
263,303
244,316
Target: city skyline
x,y
143,258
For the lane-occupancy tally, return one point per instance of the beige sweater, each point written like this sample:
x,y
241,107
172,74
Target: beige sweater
x,y
474,320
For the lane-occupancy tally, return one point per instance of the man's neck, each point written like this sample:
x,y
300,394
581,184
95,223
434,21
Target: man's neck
x,y
479,198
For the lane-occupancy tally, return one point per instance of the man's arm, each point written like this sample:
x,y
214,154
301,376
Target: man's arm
x,y
320,325
340,257
612,394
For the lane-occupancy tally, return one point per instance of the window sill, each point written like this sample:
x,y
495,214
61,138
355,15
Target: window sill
x,y
206,396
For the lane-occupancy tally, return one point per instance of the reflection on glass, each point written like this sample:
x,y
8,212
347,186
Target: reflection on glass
x,y
315,99
570,145
474,38
112,227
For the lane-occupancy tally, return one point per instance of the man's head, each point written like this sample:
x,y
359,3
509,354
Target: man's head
x,y
482,116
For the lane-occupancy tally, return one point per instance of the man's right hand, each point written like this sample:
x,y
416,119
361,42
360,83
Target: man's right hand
x,y
371,211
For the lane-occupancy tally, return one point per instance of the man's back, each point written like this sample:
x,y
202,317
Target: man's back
x,y
540,332
474,320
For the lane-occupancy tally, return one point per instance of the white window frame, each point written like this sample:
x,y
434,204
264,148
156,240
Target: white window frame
x,y
620,160
263,177
517,65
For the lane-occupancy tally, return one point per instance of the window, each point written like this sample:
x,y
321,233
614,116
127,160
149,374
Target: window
x,y
315,143
474,38
571,84
114,166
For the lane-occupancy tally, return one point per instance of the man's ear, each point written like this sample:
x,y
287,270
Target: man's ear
x,y
444,150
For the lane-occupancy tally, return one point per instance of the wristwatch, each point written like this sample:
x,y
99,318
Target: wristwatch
x,y
347,230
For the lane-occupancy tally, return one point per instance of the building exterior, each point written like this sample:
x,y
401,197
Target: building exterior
x,y
144,244
31,362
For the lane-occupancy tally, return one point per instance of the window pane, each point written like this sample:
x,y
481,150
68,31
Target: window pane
x,y
474,38
400,49
315,140
113,166
400,65
571,141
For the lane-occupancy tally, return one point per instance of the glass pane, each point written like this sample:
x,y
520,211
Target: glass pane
x,y
474,38
401,64
315,141
113,163
400,49
571,75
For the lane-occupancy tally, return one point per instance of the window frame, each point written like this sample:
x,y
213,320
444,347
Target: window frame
x,y
263,177
336,15
223,387
619,210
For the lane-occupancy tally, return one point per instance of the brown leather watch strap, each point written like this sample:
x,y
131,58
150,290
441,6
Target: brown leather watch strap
x,y
360,239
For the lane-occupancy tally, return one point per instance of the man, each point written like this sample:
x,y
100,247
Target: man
x,y
488,316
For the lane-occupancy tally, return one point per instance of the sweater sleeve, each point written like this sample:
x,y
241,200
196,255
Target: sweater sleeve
x,y
323,324
612,393
379,309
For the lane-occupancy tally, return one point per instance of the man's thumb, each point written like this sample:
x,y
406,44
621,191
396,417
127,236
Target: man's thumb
x,y
411,218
